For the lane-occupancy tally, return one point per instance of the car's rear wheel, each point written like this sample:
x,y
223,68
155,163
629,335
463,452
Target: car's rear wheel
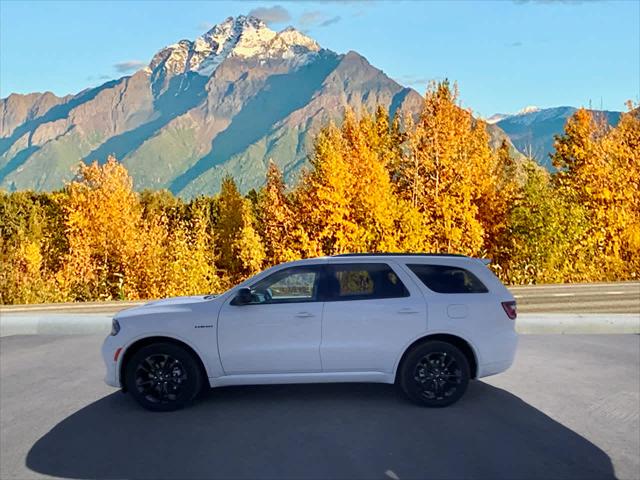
x,y
163,377
434,374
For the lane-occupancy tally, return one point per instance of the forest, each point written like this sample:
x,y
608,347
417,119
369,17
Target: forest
x,y
374,184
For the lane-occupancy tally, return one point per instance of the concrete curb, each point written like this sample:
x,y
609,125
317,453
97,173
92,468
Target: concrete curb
x,y
528,323
55,324
78,307
542,323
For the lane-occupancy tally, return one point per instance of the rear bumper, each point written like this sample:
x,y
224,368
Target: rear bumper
x,y
109,347
501,355
493,368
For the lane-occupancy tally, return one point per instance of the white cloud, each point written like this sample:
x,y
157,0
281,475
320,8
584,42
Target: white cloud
x,y
330,21
316,18
91,78
413,80
275,14
129,66
205,26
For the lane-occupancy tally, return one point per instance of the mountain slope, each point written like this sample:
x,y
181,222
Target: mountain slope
x,y
532,130
224,103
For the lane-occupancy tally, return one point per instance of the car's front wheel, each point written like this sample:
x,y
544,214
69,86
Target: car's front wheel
x,y
163,377
434,374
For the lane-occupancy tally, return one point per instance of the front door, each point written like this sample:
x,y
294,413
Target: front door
x,y
279,330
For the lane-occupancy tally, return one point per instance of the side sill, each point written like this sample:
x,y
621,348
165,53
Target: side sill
x,y
283,378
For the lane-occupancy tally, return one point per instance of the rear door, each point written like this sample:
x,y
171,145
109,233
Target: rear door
x,y
371,310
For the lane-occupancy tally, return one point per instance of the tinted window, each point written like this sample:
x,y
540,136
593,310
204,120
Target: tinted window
x,y
443,279
363,281
298,284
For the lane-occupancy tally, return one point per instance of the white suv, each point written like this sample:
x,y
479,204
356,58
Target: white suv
x,y
429,323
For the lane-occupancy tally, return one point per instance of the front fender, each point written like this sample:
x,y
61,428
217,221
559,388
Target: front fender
x,y
203,344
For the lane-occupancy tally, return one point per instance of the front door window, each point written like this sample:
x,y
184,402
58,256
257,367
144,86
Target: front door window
x,y
292,285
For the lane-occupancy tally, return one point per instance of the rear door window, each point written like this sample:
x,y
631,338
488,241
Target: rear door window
x,y
362,281
444,279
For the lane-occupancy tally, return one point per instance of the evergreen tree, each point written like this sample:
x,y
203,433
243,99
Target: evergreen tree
x,y
543,239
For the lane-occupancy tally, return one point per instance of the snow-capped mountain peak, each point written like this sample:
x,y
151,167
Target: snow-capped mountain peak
x,y
528,109
498,117
242,36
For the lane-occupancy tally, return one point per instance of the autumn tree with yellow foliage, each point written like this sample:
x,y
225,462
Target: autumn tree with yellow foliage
x,y
430,183
599,168
448,173
102,215
347,201
240,248
284,237
32,243
116,252
623,147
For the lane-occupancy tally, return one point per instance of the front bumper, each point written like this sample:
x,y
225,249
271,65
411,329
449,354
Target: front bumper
x,y
109,348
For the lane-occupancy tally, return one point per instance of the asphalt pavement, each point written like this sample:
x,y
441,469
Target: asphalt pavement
x,y
568,409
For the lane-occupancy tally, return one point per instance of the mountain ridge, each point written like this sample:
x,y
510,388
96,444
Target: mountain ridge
x,y
224,103
532,131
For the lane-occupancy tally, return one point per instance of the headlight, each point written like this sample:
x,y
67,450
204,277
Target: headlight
x,y
115,327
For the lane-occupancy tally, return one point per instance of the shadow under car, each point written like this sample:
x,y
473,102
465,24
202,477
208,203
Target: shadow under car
x,y
318,431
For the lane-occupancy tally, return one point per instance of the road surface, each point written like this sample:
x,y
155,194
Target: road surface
x,y
619,297
567,409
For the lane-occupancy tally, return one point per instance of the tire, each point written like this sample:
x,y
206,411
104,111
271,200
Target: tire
x,y
434,374
163,377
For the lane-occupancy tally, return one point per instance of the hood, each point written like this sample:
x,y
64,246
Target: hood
x,y
179,300
166,304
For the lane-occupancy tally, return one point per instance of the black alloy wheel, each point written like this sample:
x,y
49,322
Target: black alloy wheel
x,y
438,374
160,377
163,377
435,374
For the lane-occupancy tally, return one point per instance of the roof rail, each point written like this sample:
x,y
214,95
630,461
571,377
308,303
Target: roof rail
x,y
382,254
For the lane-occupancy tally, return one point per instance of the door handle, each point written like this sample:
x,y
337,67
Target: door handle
x,y
407,310
304,315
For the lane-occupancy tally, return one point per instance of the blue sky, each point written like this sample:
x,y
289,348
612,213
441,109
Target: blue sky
x,y
504,54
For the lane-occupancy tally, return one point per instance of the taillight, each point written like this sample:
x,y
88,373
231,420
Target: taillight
x,y
510,309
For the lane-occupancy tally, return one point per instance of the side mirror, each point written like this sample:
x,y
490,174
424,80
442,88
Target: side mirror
x,y
243,297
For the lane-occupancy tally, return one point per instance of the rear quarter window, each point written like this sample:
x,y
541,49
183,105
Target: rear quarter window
x,y
445,279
